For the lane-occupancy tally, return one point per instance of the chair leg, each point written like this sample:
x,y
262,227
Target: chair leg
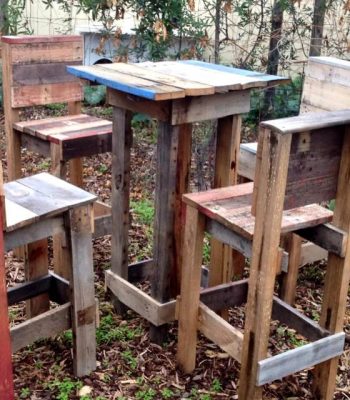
x,y
37,266
190,288
83,298
289,279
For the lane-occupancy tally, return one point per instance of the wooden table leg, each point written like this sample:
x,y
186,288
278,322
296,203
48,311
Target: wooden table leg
x,y
121,147
226,262
164,251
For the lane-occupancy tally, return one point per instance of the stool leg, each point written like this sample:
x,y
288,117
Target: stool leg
x,y
265,260
83,299
289,279
190,288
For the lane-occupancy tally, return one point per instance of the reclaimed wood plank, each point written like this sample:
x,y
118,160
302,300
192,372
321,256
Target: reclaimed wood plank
x,y
222,81
31,39
216,329
42,326
32,125
191,88
83,293
6,376
190,286
308,122
39,74
337,278
328,237
311,253
269,208
128,84
24,291
27,96
291,361
247,160
121,148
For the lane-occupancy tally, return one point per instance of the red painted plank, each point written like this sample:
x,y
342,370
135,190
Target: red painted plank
x,y
6,378
23,39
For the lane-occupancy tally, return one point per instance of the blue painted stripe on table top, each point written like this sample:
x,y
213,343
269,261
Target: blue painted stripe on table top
x,y
137,91
232,70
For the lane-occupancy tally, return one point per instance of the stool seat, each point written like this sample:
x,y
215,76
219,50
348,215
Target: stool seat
x,y
77,135
31,199
231,206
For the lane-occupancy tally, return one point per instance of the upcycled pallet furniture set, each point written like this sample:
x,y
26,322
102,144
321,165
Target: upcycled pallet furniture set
x,y
326,88
177,94
37,207
301,161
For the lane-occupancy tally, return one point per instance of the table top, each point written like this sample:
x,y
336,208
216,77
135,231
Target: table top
x,y
169,80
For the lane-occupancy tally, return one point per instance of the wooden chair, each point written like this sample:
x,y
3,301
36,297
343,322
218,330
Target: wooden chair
x,y
301,162
326,88
34,74
38,207
6,379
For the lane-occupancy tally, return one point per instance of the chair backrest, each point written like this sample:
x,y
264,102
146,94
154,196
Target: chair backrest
x,y
34,69
314,155
326,85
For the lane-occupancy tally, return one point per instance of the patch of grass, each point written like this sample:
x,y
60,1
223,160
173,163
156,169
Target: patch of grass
x,y
65,388
143,210
148,394
216,386
102,169
44,165
290,336
59,107
129,358
25,393
167,393
109,331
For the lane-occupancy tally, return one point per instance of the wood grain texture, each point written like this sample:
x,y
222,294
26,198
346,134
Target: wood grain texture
x,y
31,39
190,287
337,278
291,361
269,207
6,378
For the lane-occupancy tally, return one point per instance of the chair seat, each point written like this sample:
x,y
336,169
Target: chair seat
x,y
78,135
36,197
231,206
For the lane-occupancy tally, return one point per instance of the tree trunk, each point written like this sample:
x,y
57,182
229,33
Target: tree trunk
x,y
217,31
3,24
317,27
274,55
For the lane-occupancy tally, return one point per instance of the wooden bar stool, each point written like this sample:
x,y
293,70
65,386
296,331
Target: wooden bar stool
x,y
325,88
34,74
6,379
38,207
301,161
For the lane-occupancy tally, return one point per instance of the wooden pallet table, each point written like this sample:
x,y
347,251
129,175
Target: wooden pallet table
x,y
177,94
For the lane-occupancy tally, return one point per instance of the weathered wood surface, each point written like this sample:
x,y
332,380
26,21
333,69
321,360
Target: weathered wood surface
x,y
31,39
308,122
42,326
269,209
215,328
231,206
291,361
171,80
6,379
41,196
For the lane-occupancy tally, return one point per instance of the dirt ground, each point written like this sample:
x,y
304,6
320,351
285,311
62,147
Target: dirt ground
x,y
129,365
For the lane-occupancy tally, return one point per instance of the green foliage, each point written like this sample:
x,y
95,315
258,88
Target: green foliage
x,y
147,394
216,385
25,393
94,95
109,332
144,211
167,393
128,357
65,388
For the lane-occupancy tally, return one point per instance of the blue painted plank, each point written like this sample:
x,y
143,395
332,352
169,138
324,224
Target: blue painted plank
x,y
80,72
232,70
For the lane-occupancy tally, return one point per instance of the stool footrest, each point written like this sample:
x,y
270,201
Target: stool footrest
x,y
295,360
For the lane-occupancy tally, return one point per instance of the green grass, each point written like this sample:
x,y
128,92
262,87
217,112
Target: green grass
x,y
109,331
143,210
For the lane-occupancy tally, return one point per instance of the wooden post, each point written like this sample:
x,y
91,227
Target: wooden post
x,y
76,164
225,261
289,279
83,297
121,147
336,280
6,379
269,207
164,256
190,288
